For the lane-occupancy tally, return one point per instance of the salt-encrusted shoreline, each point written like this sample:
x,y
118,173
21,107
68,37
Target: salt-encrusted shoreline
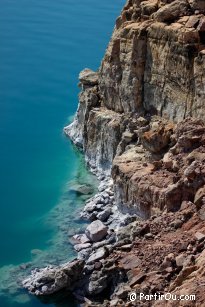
x,y
91,246
100,236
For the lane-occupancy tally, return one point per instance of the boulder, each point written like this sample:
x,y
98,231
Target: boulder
x,y
96,231
172,11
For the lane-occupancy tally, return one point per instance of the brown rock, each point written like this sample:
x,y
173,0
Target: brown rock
x,y
201,213
199,198
172,11
88,77
197,5
137,279
182,276
180,260
130,261
199,236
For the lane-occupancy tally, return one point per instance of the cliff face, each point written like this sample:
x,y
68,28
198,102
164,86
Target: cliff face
x,y
156,60
151,78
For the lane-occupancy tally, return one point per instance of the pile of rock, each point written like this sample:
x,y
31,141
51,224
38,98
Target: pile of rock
x,y
101,205
160,255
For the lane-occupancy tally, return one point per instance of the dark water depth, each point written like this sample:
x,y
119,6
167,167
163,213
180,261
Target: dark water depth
x,y
44,45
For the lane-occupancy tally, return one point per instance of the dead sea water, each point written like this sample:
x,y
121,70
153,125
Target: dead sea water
x,y
44,45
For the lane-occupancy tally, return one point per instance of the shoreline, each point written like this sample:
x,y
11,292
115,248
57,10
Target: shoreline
x,y
59,248
100,207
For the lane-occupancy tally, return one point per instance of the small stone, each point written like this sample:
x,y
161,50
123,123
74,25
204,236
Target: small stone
x,y
89,268
199,198
167,160
190,247
149,236
201,213
169,269
114,303
100,206
84,254
98,265
199,236
126,247
81,238
44,289
183,247
79,247
170,257
103,216
176,224
180,260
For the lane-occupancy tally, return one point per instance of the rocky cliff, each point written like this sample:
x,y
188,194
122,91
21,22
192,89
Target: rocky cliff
x,y
151,78
141,125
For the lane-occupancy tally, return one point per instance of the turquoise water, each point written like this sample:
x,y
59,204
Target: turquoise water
x,y
44,45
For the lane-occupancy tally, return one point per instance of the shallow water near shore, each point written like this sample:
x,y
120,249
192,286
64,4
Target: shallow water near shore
x,y
44,45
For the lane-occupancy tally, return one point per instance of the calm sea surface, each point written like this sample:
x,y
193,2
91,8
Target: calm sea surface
x,y
43,46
